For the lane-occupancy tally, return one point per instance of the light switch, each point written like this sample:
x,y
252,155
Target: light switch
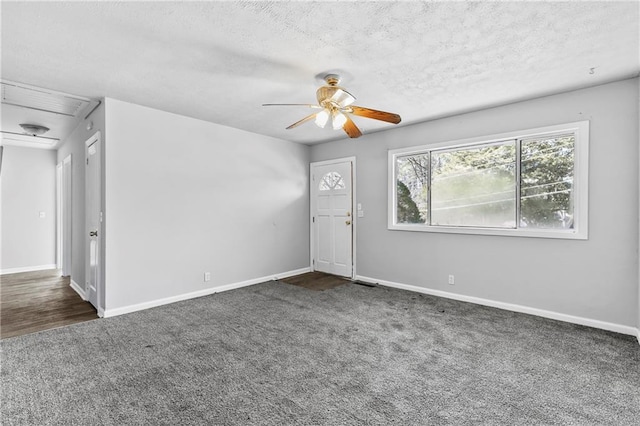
x,y
359,206
42,215
360,213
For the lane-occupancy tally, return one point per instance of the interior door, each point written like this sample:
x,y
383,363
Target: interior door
x,y
332,218
93,220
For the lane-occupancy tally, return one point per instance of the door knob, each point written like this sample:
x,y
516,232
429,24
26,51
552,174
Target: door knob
x,y
348,222
93,233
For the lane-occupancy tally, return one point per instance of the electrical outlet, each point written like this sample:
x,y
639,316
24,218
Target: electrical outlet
x,y
207,276
452,280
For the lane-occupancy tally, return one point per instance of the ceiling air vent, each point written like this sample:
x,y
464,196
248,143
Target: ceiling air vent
x,y
23,96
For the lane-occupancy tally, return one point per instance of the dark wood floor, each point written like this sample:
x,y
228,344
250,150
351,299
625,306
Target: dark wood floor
x,y
36,301
317,281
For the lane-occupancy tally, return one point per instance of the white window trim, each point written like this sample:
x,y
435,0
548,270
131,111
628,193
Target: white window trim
x,y
580,184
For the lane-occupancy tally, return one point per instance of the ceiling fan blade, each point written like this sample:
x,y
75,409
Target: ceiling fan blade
x,y
375,114
304,105
350,128
304,120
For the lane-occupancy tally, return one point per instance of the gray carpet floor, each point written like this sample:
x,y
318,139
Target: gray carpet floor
x,y
277,354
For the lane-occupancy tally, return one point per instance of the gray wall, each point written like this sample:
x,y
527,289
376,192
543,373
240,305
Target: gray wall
x,y
28,187
74,144
595,279
184,197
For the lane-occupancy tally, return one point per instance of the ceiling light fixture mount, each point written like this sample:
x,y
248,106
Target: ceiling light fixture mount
x,y
34,129
332,79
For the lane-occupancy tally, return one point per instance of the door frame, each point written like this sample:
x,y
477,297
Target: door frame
x,y
59,216
95,138
312,205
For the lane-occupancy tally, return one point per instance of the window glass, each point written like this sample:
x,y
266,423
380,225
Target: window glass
x,y
474,186
411,188
331,180
546,183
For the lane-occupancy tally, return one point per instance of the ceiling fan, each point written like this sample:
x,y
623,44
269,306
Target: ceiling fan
x,y
336,103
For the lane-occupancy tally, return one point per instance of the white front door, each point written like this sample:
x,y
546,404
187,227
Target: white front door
x,y
332,219
94,230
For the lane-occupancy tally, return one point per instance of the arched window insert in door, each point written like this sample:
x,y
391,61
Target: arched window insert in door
x,y
331,180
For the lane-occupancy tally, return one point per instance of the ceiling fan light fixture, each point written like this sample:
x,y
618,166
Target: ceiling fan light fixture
x,y
342,98
336,103
338,120
321,118
34,129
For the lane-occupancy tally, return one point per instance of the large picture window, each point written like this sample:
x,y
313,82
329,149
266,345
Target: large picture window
x,y
527,183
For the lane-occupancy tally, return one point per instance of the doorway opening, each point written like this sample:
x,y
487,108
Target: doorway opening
x,y
63,216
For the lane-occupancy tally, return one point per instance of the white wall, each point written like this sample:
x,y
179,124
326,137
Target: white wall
x,y
184,197
28,187
595,279
74,145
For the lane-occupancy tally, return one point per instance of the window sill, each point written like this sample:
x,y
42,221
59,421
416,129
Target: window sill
x,y
569,234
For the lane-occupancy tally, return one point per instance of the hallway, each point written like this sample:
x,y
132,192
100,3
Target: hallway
x,y
37,301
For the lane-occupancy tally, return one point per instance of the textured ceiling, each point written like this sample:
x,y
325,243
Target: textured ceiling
x,y
219,61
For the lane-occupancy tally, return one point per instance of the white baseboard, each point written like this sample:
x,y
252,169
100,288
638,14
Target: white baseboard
x,y
78,289
27,269
618,328
205,292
